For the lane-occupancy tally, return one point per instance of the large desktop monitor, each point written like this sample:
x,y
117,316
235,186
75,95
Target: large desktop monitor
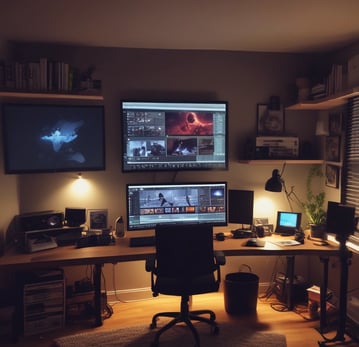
x,y
159,136
176,203
53,138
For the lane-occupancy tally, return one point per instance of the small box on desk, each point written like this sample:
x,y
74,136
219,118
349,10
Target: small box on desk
x,y
277,147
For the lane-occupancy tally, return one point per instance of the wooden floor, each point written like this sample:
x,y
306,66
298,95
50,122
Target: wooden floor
x,y
299,331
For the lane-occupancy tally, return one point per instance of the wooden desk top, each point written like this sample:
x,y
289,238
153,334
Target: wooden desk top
x,y
121,252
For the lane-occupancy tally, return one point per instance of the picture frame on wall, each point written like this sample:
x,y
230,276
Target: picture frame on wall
x,y
270,122
335,123
98,218
332,173
332,148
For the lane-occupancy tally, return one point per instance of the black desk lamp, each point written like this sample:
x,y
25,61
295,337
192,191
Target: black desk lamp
x,y
276,184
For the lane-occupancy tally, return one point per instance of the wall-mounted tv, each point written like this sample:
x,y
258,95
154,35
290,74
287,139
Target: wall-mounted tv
x,y
53,138
159,136
179,203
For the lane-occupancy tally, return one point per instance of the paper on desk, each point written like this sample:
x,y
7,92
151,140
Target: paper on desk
x,y
285,242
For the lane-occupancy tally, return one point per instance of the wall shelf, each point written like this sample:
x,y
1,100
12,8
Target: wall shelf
x,y
58,96
327,103
282,161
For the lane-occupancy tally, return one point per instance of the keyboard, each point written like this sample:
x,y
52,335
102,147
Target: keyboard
x,y
95,240
142,241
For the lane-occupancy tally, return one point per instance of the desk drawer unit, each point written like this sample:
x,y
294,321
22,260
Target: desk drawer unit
x,y
44,307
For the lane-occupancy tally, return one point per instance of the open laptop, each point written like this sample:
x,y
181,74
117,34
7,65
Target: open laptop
x,y
288,223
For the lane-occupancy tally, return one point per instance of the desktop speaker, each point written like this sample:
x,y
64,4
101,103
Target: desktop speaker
x,y
39,220
75,217
340,219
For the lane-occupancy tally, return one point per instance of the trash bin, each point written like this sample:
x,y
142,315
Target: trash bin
x,y
241,292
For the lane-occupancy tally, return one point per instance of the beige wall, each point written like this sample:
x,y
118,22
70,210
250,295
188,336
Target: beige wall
x,y
242,79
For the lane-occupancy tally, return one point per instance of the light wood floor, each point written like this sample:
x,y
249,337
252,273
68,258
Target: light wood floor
x,y
299,331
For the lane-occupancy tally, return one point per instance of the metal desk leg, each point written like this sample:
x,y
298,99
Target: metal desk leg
x,y
290,276
97,288
323,294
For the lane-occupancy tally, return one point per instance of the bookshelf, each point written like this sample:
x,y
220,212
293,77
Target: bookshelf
x,y
52,96
336,100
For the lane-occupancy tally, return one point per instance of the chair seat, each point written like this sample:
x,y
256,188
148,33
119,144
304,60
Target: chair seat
x,y
186,286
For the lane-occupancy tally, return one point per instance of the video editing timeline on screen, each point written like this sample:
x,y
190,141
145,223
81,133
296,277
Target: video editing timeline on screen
x,y
163,135
149,205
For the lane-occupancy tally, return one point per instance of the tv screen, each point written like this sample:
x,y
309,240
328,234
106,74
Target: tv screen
x,y
152,204
53,138
160,136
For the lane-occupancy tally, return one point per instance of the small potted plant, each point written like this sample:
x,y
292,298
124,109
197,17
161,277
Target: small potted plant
x,y
314,205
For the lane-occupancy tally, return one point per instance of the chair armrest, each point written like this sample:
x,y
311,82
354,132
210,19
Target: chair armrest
x,y
220,257
151,263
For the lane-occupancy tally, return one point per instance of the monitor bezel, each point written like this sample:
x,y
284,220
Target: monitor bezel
x,y
155,166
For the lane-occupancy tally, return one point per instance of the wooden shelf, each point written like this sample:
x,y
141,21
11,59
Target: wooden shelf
x,y
326,103
33,95
282,161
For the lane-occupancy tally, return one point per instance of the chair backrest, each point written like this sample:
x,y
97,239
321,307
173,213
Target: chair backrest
x,y
184,250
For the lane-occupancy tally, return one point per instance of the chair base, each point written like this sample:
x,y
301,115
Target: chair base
x,y
185,316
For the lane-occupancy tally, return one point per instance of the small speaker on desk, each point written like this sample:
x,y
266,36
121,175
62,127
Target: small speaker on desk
x,y
75,217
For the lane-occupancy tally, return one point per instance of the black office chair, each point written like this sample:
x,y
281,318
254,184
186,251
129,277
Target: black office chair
x,y
185,264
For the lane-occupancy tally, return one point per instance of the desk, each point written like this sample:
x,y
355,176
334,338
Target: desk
x,y
121,252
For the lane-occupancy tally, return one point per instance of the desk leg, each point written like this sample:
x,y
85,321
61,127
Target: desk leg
x,y
323,294
290,276
97,288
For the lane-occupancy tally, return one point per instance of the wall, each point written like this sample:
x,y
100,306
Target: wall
x,y
243,79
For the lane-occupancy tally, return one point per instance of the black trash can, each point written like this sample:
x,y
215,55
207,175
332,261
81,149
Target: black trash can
x,y
241,292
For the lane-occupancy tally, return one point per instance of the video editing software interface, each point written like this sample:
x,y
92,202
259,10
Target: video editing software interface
x,y
174,135
152,204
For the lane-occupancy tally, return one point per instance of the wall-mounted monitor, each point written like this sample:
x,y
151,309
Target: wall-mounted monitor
x,y
159,136
176,203
53,138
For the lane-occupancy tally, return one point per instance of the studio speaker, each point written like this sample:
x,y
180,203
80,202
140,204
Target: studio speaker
x,y
340,219
75,217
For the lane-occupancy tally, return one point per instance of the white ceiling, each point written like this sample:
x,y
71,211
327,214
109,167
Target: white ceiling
x,y
243,25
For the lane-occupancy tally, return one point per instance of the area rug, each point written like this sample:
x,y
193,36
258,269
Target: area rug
x,y
178,336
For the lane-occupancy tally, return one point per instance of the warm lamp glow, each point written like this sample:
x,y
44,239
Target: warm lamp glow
x,y
80,186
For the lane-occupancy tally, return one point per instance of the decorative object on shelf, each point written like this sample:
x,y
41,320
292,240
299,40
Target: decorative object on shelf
x,y
335,123
303,88
322,126
270,121
98,219
332,148
332,173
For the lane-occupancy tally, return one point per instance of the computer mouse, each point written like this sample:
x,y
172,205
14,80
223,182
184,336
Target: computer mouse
x,y
254,242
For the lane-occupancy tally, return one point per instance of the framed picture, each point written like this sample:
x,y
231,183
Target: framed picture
x,y
269,122
335,123
98,219
332,148
332,173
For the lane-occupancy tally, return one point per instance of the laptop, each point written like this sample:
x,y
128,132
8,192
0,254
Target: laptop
x,y
287,223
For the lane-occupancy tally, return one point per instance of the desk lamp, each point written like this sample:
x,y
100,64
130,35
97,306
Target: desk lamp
x,y
276,184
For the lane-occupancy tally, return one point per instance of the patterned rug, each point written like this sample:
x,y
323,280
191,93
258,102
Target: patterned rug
x,y
178,336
